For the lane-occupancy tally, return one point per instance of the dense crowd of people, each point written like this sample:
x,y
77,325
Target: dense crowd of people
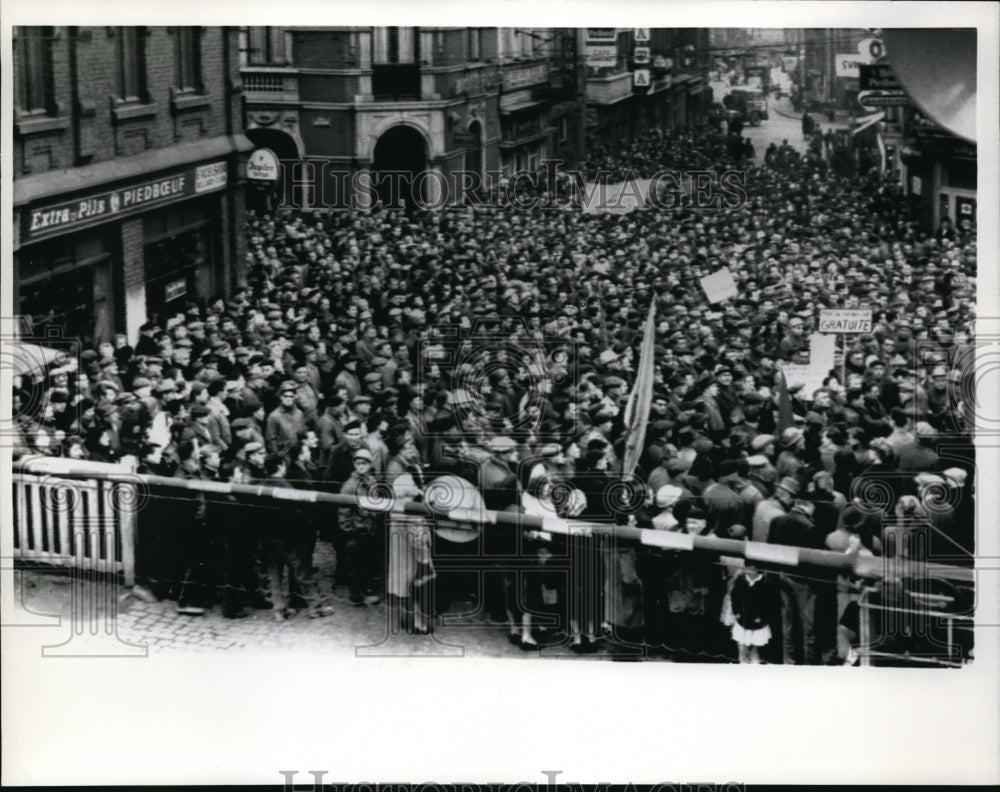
x,y
656,150
391,348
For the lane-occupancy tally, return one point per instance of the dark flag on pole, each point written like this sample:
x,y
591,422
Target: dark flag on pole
x,y
641,399
785,418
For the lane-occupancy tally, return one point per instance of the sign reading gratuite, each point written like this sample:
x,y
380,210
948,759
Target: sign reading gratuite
x,y
845,320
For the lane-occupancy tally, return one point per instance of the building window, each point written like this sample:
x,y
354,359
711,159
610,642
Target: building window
x,y
473,44
395,45
524,43
959,173
507,36
132,64
267,45
35,86
187,59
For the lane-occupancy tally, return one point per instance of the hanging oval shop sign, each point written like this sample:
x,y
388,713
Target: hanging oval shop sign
x,y
872,48
263,165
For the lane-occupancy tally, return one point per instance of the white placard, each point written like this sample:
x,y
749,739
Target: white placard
x,y
845,320
719,285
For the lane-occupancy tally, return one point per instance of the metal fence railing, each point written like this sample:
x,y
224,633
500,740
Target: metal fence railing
x,y
90,515
74,522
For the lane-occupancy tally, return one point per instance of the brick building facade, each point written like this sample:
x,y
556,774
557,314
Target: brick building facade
x,y
128,163
440,100
445,100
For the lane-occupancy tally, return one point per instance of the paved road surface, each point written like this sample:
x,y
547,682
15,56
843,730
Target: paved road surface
x,y
783,123
140,626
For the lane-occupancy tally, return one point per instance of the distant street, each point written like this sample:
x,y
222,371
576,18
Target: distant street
x,y
783,123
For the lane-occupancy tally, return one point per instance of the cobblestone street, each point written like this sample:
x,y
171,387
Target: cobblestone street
x,y
351,631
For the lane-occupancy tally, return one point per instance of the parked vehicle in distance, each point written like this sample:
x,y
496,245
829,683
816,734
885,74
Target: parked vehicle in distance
x,y
718,112
750,102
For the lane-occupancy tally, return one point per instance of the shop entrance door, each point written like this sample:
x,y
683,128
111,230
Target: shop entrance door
x,y
178,271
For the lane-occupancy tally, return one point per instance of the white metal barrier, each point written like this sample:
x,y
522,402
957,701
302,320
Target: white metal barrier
x,y
84,514
85,523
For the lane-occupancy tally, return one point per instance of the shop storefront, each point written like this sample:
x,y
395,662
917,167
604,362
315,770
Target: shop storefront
x,y
940,175
89,263
957,193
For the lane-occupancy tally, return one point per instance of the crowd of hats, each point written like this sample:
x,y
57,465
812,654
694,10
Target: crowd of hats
x,y
657,150
521,328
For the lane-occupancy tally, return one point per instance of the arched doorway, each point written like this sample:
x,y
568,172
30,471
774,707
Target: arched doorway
x,y
474,154
400,156
262,196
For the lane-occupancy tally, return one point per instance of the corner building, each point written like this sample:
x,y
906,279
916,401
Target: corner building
x,y
128,169
444,100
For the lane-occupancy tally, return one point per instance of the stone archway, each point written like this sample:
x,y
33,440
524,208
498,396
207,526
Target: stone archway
x,y
400,156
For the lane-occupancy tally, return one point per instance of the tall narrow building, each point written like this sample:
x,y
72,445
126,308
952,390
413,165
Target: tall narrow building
x,y
128,158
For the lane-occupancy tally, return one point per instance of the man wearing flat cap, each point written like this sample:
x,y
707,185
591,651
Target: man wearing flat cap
x,y
285,422
779,504
361,531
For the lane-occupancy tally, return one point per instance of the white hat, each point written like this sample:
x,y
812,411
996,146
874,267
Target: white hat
x,y
668,495
928,480
955,477
501,445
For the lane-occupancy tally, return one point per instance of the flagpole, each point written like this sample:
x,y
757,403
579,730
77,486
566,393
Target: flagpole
x,y
641,399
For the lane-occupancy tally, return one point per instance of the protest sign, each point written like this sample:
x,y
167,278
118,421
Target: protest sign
x,y
719,285
845,320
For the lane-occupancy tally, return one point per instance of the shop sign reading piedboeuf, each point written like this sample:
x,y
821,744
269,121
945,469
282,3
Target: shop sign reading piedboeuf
x,y
112,204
